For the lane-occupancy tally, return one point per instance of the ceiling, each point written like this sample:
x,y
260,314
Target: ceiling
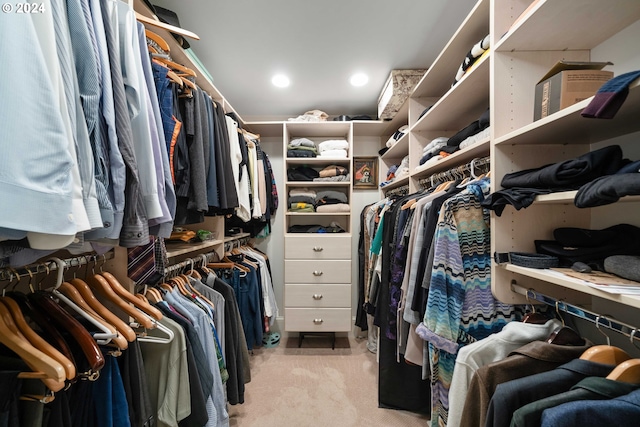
x,y
319,45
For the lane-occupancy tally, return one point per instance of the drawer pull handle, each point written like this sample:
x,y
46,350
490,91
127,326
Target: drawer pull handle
x,y
317,273
318,248
317,296
318,321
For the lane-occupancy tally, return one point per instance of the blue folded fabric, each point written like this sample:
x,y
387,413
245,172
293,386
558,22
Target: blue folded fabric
x,y
610,97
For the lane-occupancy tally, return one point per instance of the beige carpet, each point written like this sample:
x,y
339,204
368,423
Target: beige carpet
x,y
316,386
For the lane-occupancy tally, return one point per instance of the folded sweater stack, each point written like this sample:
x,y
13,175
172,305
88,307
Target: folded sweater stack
x,y
308,200
334,148
433,148
302,200
301,147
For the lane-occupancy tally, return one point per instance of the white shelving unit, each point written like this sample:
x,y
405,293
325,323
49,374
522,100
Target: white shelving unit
x,y
317,266
529,38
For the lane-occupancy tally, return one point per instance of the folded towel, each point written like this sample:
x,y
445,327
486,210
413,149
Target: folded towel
x,y
333,144
339,154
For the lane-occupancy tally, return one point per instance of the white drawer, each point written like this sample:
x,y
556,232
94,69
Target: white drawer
x,y
317,319
317,271
320,296
314,246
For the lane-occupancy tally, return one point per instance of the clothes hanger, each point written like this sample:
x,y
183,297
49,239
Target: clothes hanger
x,y
72,293
103,337
175,66
129,297
45,301
533,316
85,291
36,340
47,369
606,354
102,286
162,43
40,319
627,372
564,335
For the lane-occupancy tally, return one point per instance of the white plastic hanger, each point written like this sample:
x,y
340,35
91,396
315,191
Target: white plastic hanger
x,y
101,338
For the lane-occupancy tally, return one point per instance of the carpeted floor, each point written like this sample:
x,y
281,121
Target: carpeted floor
x,y
316,386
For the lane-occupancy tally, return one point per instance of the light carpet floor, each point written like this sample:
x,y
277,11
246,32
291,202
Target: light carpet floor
x,y
316,386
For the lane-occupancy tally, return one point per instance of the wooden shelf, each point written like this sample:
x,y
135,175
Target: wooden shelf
x,y
397,183
318,213
443,70
317,161
567,126
462,104
236,237
567,25
266,129
317,184
571,283
465,155
399,149
567,198
177,249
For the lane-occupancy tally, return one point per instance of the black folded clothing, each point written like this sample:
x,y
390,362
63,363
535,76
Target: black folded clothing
x,y
315,228
569,173
300,153
302,173
607,189
621,239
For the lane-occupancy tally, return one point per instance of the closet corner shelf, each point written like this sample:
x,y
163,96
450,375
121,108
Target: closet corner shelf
x,y
177,249
567,126
571,283
597,20
471,92
266,129
465,155
444,68
567,197
399,149
395,184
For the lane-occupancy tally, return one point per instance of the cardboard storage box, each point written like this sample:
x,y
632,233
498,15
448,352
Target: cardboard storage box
x,y
396,90
566,84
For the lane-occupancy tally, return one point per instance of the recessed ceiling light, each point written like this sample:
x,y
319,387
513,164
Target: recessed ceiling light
x,y
280,80
359,79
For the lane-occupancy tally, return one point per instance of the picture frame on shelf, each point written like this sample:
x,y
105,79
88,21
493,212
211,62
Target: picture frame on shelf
x,y
365,173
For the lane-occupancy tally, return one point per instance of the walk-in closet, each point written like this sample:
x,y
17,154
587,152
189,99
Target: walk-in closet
x,y
287,214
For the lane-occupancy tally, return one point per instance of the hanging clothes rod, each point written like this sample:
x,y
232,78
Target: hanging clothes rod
x,y
599,319
403,190
10,273
455,172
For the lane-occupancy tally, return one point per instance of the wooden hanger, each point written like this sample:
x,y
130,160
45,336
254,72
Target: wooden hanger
x,y
606,354
41,319
102,286
85,291
128,296
627,372
153,295
53,372
171,28
44,301
72,293
36,340
175,66
221,265
162,43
